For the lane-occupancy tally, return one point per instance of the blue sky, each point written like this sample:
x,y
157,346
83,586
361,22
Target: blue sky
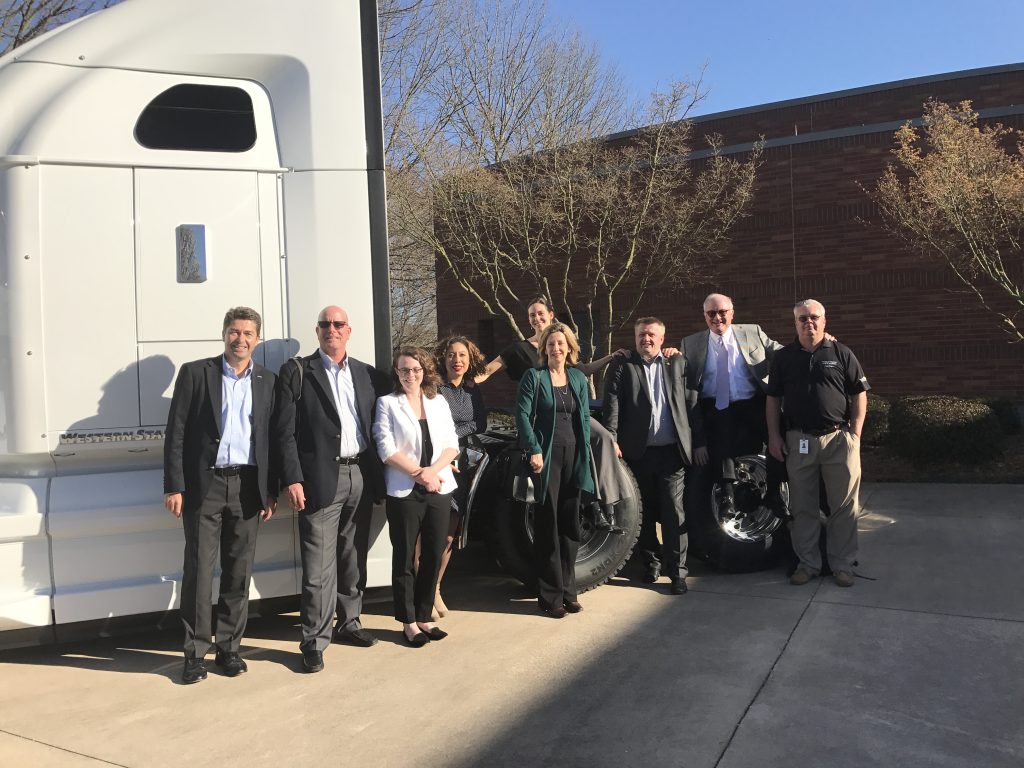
x,y
758,52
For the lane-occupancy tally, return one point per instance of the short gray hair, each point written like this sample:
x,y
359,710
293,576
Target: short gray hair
x,y
710,296
806,303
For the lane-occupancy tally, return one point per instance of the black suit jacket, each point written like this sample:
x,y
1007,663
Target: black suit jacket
x,y
627,405
307,428
194,429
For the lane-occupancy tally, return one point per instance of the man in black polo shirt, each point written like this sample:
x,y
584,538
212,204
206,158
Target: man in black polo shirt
x,y
823,391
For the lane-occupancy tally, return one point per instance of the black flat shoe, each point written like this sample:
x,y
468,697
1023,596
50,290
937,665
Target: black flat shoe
x,y
573,606
552,611
230,663
194,671
434,633
416,641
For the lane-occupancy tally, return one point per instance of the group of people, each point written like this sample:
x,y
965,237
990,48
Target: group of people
x,y
333,435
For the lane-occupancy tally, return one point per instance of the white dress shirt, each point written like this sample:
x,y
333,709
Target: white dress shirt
x,y
741,383
661,430
353,441
236,447
396,430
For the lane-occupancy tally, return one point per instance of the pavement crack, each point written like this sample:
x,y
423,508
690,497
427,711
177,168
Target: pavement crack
x,y
62,749
767,677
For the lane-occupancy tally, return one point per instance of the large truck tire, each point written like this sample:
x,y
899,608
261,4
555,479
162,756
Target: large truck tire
x,y
753,540
601,555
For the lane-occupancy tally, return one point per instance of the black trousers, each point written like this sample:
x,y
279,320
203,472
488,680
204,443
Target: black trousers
x,y
738,430
556,530
227,519
661,476
425,516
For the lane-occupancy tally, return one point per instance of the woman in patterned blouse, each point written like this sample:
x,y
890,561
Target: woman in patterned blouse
x,y
461,361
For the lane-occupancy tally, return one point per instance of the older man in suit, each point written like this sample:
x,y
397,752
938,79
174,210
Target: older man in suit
x,y
728,365
652,416
218,479
322,425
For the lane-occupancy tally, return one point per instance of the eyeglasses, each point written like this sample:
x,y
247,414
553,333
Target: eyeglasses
x,y
338,324
713,313
811,318
409,371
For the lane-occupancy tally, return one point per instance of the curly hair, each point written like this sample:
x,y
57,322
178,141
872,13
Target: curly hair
x,y
572,358
477,362
430,378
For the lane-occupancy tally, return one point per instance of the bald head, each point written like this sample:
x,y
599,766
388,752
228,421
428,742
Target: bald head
x,y
718,313
333,331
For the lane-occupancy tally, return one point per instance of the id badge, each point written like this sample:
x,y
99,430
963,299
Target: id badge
x,y
805,446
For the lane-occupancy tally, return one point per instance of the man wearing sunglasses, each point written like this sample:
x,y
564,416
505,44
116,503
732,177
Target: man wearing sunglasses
x,y
322,424
820,385
728,365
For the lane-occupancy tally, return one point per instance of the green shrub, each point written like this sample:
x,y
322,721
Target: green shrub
x,y
1007,414
944,428
876,421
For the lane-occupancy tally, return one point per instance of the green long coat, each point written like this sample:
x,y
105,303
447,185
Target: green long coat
x,y
536,436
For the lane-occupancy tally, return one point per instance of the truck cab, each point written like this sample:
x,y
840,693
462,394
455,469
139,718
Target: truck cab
x,y
161,162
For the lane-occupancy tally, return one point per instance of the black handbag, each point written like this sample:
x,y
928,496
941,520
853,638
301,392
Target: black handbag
x,y
524,482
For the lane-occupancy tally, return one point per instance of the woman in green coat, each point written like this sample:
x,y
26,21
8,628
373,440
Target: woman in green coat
x,y
553,418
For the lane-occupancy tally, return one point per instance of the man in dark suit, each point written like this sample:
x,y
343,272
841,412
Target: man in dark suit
x,y
728,365
218,479
651,415
331,475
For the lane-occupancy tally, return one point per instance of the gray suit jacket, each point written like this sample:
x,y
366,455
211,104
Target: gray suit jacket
x,y
755,346
627,406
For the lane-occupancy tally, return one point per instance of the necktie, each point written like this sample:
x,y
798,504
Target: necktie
x,y
722,376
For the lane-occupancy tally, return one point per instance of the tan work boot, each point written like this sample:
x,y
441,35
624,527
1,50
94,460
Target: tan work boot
x,y
800,577
843,578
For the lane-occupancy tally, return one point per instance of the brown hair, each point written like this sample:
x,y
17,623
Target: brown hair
x,y
574,346
540,300
242,313
421,356
477,363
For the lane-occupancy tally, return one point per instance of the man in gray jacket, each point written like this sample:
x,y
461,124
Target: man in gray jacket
x,y
728,365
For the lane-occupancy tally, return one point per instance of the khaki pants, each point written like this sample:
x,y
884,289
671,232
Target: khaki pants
x,y
836,459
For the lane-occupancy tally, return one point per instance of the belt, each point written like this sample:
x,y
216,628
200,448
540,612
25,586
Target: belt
x,y
347,459
234,469
821,432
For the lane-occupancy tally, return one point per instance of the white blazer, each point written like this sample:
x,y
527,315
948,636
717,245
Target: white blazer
x,y
395,429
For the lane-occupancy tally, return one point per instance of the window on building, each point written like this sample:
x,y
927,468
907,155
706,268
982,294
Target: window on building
x,y
201,118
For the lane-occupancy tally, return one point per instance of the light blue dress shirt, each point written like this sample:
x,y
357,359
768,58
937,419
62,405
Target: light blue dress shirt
x,y
236,446
353,441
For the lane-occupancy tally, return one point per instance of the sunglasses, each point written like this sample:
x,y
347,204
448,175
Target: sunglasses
x,y
338,324
806,318
713,313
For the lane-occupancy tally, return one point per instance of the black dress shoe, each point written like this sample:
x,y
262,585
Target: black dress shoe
x,y
554,612
358,637
231,663
312,661
572,606
195,670
651,577
678,587
435,633
416,641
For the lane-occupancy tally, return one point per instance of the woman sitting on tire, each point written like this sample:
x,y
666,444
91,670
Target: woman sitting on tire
x,y
416,440
552,415
520,357
461,361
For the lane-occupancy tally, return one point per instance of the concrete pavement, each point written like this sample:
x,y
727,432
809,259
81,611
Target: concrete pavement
x,y
920,666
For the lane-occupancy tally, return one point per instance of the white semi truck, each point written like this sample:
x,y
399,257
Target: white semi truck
x,y
160,162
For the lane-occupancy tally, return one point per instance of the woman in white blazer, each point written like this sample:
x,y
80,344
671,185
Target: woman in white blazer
x,y
416,440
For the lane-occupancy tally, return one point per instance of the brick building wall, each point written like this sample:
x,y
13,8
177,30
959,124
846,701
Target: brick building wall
x,y
813,233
